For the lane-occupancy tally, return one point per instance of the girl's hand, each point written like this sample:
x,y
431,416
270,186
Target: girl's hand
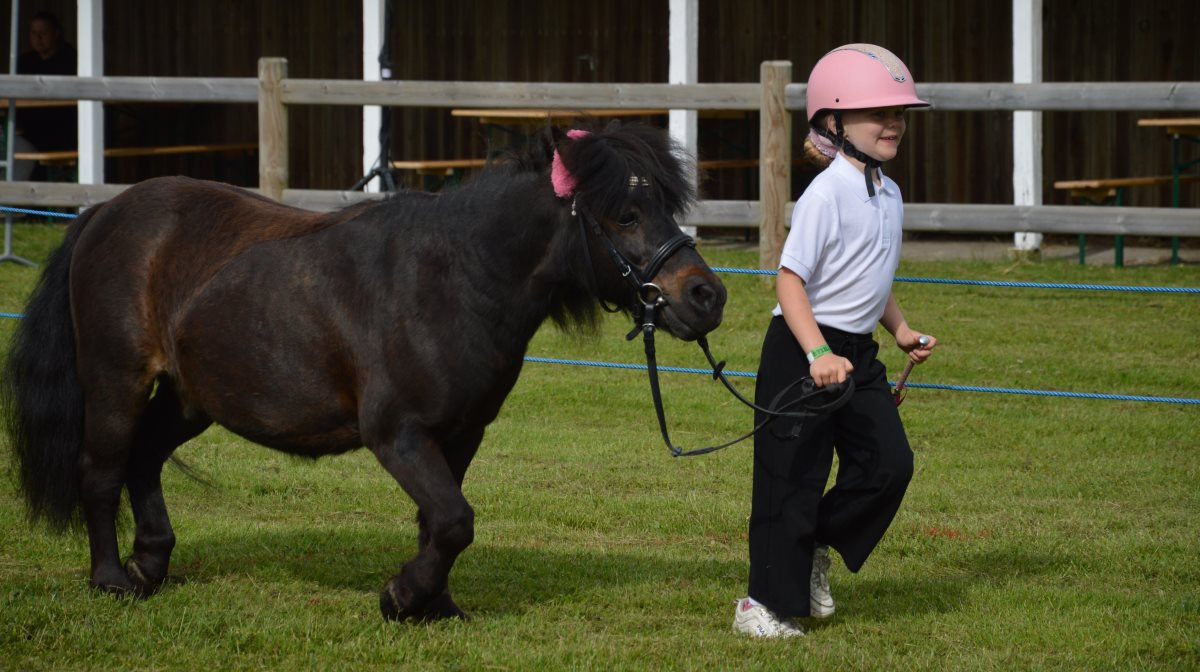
x,y
829,369
909,341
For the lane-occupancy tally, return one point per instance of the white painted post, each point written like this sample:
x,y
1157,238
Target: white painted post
x,y
373,27
1027,124
90,17
684,68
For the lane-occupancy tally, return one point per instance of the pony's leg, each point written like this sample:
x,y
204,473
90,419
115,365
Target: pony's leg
x,y
458,457
109,428
417,463
163,428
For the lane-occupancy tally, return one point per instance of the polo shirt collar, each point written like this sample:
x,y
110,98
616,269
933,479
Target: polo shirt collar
x,y
854,177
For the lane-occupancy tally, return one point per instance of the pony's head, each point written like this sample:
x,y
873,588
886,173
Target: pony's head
x,y
628,186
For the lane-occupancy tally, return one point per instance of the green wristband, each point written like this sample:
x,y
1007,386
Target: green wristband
x,y
817,352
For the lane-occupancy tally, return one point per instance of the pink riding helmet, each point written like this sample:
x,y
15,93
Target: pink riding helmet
x,y
858,77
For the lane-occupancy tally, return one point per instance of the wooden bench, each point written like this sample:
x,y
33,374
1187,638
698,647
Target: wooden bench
x,y
70,156
438,172
1112,188
449,171
1108,191
716,164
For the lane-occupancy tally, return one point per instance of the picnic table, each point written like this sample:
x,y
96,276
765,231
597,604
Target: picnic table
x,y
1112,190
1180,130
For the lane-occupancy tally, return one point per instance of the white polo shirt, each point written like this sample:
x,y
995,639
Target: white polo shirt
x,y
845,246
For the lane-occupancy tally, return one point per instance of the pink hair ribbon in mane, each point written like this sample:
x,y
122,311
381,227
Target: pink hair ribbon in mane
x,y
562,179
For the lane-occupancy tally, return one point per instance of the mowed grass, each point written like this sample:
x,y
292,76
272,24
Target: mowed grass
x,y
1038,533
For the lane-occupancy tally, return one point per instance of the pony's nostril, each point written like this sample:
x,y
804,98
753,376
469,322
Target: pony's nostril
x,y
704,297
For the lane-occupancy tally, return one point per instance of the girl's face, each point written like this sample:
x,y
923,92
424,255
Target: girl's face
x,y
876,132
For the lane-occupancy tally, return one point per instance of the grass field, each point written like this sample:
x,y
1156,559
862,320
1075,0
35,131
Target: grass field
x,y
1038,533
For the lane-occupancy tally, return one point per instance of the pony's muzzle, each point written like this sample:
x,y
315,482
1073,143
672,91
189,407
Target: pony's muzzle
x,y
704,299
704,296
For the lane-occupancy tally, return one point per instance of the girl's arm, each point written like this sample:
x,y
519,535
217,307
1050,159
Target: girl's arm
x,y
907,339
797,311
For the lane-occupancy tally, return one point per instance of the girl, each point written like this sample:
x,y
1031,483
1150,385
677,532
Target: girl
x,y
834,285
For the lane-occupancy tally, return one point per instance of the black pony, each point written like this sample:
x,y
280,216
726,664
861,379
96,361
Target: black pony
x,y
398,325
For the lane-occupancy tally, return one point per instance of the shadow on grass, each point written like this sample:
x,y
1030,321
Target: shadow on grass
x,y
486,578
493,579
951,578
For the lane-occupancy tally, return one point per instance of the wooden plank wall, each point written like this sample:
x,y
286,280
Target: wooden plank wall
x,y
948,156
1105,40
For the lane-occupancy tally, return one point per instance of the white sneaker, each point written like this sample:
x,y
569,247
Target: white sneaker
x,y
758,621
820,601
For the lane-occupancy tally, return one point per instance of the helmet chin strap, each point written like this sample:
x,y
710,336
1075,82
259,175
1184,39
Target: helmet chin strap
x,y
839,139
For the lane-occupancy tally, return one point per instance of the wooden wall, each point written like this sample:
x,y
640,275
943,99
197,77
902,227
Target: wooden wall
x,y
1103,40
947,156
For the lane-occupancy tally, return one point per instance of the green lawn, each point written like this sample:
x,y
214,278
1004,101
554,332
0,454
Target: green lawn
x,y
1038,533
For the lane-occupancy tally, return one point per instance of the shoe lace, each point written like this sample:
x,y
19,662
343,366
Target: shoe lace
x,y
777,624
820,575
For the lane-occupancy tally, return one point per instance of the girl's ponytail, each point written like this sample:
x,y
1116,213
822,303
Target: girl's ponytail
x,y
818,149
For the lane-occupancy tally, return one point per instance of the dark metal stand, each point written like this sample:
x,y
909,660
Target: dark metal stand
x,y
10,141
383,165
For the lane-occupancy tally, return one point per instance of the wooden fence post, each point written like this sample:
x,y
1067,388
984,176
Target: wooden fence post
x,y
775,162
272,128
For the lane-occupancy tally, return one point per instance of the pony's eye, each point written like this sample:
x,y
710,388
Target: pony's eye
x,y
628,219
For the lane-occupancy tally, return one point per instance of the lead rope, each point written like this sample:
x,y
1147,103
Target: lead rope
x,y
776,409
651,297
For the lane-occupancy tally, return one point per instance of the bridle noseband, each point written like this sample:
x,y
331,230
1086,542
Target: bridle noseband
x,y
648,296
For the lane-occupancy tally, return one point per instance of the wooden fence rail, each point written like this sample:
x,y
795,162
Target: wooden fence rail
x,y
774,96
984,96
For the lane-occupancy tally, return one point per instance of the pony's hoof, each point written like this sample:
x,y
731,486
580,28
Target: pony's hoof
x,y
145,583
442,607
114,583
395,603
391,605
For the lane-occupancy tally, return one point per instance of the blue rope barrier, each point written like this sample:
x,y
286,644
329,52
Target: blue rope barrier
x,y
1055,393
938,281
930,386
637,367
44,213
1052,285
1001,283
744,271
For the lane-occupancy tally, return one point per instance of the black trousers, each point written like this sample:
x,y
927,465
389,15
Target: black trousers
x,y
790,511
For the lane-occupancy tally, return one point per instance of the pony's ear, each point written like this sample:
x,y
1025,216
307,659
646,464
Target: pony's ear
x,y
560,176
612,126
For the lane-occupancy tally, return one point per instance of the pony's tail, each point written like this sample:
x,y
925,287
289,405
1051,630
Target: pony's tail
x,y
42,398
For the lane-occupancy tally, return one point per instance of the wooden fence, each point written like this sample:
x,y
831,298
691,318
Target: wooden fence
x,y
776,97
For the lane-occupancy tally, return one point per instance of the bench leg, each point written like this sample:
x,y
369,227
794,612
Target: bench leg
x,y
1119,243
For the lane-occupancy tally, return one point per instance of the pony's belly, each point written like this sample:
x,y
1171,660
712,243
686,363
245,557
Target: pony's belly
x,y
304,440
309,422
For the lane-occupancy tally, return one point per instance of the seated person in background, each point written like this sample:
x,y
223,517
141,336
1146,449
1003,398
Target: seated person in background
x,y
52,128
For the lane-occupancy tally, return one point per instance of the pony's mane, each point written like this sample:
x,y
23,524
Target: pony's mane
x,y
603,162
